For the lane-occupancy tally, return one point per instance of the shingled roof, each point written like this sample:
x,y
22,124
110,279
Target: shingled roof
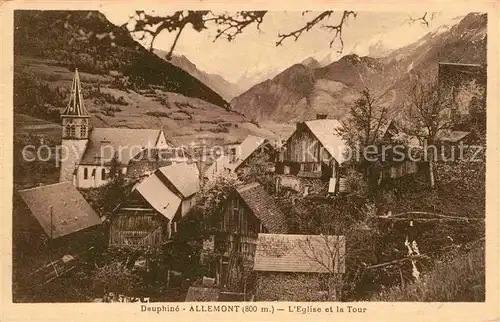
x,y
249,145
70,211
325,131
105,143
300,253
184,176
263,207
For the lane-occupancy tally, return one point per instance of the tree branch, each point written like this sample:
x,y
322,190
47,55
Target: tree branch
x,y
338,29
297,33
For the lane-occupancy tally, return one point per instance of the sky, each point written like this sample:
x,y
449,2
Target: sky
x,y
254,51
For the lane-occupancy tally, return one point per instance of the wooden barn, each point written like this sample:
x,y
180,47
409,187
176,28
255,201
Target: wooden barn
x,y
250,210
314,151
393,162
240,155
150,214
51,224
299,268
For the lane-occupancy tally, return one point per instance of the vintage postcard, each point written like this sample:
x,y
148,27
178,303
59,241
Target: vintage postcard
x,y
254,161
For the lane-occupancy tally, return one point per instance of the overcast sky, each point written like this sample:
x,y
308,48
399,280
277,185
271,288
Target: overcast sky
x,y
255,51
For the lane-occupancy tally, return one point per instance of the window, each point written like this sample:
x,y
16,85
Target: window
x,y
72,130
103,174
85,173
83,131
67,130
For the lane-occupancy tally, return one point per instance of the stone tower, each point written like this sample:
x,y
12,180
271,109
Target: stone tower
x,y
75,131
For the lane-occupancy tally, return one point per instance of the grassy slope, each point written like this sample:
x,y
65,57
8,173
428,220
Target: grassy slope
x,y
184,119
461,279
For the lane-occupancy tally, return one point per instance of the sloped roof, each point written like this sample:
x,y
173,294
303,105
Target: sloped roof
x,y
151,159
300,253
263,207
451,136
249,145
126,143
76,106
202,294
70,211
326,132
159,196
184,176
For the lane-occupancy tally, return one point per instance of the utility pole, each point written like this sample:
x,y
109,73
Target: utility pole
x,y
51,232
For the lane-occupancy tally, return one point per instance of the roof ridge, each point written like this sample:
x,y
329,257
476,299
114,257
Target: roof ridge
x,y
46,185
246,186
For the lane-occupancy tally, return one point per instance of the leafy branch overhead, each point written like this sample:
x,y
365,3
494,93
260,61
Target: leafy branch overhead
x,y
146,27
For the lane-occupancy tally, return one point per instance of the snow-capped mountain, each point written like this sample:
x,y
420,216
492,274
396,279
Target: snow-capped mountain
x,y
299,92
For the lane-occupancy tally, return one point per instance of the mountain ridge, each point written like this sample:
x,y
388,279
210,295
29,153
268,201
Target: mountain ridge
x,y
216,82
335,86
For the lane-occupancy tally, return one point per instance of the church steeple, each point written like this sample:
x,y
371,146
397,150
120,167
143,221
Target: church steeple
x,y
75,117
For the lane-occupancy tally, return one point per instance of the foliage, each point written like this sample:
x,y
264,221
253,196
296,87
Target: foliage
x,y
257,169
28,172
461,279
467,172
428,110
470,102
212,195
355,183
33,96
428,113
157,113
363,129
86,39
116,277
105,198
101,98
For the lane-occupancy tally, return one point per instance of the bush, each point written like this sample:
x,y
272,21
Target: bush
x,y
461,279
157,113
254,121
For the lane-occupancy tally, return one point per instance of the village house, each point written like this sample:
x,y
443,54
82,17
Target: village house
x,y
151,159
87,152
52,222
394,159
299,267
239,156
314,151
149,215
250,210
455,77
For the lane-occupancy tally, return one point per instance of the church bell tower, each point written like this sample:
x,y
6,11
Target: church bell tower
x,y
75,131
75,118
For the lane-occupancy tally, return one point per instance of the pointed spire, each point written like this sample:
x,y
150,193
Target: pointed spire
x,y
76,105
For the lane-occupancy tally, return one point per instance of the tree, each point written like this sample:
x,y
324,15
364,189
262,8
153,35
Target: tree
x,y
147,26
258,169
364,128
212,195
428,113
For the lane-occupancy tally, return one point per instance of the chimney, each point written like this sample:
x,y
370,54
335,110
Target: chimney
x,y
321,116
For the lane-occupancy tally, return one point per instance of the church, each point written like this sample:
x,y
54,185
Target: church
x,y
89,154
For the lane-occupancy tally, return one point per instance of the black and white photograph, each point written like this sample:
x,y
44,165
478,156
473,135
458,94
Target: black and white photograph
x,y
167,155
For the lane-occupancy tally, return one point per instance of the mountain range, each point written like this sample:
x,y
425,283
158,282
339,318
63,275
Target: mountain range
x,y
124,84
303,90
216,82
